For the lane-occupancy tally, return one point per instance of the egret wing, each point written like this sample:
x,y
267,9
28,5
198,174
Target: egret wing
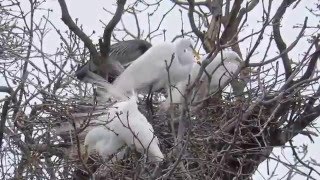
x,y
147,69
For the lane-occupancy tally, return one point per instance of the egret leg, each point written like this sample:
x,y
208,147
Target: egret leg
x,y
149,103
85,154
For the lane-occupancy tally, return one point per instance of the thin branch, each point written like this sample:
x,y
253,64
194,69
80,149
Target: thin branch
x,y
286,134
66,18
290,47
200,3
6,107
313,62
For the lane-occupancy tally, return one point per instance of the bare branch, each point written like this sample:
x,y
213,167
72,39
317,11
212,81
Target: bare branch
x,y
288,49
198,3
105,45
231,28
313,62
278,38
6,89
192,23
74,28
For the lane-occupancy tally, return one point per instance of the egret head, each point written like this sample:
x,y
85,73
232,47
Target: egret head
x,y
187,45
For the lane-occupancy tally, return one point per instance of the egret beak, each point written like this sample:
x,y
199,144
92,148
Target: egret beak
x,y
84,154
195,53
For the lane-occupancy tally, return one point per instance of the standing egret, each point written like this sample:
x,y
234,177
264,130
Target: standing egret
x,y
162,65
220,72
149,71
121,55
123,125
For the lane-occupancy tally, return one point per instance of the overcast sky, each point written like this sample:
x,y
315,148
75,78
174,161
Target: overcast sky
x,y
90,12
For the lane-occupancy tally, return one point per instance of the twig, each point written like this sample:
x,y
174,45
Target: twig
x,y
74,28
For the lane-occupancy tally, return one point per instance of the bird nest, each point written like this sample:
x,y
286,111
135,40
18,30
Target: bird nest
x,y
224,139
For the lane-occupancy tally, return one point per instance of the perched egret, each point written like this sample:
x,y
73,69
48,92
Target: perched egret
x,y
121,55
221,73
149,71
123,125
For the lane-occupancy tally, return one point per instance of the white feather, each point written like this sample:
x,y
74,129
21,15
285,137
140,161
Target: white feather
x,y
220,75
150,68
123,125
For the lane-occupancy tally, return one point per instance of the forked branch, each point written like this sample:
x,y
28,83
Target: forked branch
x,y
66,18
278,38
105,45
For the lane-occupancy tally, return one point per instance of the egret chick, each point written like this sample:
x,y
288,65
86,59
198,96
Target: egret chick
x,y
221,73
103,141
123,125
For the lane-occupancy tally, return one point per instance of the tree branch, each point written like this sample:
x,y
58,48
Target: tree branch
x,y
200,3
231,28
278,38
105,45
74,28
313,62
194,28
213,31
6,107
6,89
302,122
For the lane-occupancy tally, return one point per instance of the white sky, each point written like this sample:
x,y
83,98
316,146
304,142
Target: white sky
x,y
90,12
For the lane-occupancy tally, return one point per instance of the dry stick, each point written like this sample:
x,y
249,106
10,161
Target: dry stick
x,y
192,23
176,163
182,126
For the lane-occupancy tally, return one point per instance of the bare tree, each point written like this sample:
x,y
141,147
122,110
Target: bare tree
x,y
226,136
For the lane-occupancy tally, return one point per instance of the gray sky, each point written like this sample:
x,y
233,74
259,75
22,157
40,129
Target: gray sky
x,y
90,12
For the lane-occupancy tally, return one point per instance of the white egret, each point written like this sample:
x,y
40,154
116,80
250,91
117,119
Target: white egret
x,y
123,125
149,71
221,73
